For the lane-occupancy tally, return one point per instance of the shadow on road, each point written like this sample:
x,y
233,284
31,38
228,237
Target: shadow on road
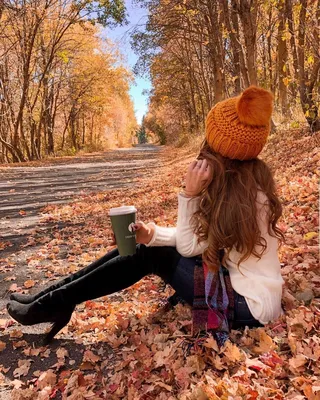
x,y
62,357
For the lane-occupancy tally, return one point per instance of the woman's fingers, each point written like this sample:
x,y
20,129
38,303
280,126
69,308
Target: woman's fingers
x,y
203,168
113,239
138,225
203,165
206,172
208,169
193,165
196,165
198,177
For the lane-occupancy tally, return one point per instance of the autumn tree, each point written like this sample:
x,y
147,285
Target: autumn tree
x,y
55,74
199,52
154,128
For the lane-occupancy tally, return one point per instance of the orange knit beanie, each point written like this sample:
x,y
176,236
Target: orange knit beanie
x,y
238,127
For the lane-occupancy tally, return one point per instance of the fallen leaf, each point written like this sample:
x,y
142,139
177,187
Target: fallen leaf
x,y
16,333
6,323
46,353
163,385
310,235
62,353
13,287
86,366
16,383
23,368
47,378
182,376
265,342
232,352
29,284
298,361
31,352
2,345
90,356
10,278
255,364
211,343
21,343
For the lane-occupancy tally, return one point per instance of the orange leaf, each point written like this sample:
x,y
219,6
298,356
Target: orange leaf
x,y
29,284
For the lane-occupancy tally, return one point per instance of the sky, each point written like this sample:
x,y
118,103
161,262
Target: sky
x,y
121,35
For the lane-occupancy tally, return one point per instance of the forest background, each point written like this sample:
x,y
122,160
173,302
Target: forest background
x,y
63,88
199,52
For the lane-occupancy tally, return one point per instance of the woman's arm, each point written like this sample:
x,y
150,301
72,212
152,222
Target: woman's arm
x,y
162,236
199,175
186,240
182,237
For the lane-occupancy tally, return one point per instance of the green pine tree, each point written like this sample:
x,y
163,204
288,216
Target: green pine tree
x,y
142,134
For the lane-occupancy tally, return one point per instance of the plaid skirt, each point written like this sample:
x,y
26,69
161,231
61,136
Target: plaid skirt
x,y
183,283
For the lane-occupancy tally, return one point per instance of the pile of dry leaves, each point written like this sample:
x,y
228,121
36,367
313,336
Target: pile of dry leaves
x,y
125,350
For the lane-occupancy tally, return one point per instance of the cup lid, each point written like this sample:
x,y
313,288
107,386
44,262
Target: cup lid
x,y
122,210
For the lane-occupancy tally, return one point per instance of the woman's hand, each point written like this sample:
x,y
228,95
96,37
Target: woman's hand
x,y
199,176
144,232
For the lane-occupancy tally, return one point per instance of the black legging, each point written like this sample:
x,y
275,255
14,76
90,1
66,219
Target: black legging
x,y
112,273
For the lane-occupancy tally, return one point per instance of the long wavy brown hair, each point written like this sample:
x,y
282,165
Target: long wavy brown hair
x,y
227,216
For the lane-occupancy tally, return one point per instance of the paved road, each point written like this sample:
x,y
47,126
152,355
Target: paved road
x,y
29,188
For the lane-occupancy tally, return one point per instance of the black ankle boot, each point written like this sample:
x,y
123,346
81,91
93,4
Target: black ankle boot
x,y
41,311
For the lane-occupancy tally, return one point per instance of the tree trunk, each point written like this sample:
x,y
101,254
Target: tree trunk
x,y
235,44
49,120
216,50
306,84
289,13
248,16
272,79
73,128
83,130
282,57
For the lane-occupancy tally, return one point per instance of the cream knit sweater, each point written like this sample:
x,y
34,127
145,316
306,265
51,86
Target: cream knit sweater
x,y
259,281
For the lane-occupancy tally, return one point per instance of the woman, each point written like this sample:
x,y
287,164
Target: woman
x,y
227,213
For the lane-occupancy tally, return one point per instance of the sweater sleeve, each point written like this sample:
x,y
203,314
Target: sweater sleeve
x,y
163,237
186,240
